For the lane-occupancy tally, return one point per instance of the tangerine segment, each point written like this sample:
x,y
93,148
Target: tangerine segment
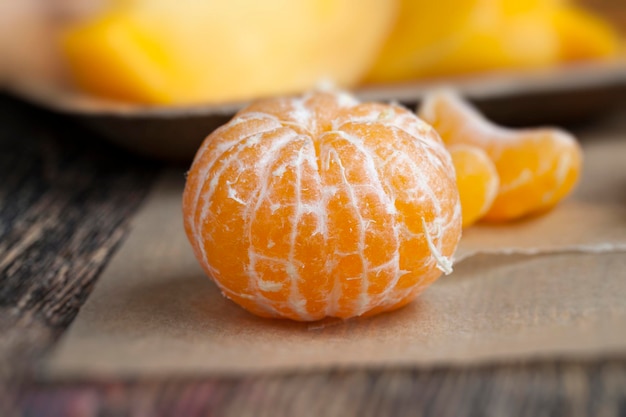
x,y
477,179
321,206
537,167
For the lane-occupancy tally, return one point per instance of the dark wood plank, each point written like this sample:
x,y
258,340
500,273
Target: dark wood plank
x,y
65,203
559,389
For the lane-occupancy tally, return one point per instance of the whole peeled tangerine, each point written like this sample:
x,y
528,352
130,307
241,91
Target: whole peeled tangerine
x,y
320,206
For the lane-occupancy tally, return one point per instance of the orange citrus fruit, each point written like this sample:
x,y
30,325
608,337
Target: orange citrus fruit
x,y
537,167
477,180
316,206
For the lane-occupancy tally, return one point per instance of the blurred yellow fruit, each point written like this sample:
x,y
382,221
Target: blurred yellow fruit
x,y
501,42
113,58
512,7
583,36
486,35
425,31
189,51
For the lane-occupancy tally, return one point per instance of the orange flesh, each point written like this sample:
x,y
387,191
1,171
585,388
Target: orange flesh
x,y
321,206
477,179
537,167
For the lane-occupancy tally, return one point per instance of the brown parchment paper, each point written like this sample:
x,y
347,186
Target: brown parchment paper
x,y
154,312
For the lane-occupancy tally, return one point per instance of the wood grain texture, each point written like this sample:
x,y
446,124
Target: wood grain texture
x,y
65,204
528,389
66,200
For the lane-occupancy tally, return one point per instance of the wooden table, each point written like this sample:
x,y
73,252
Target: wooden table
x,y
66,199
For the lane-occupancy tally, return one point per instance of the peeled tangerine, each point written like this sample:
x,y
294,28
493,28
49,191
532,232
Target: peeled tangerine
x,y
321,206
536,167
477,180
189,51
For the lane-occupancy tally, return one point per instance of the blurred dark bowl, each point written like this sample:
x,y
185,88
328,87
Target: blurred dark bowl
x,y
560,96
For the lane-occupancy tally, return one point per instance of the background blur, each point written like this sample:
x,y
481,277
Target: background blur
x,y
168,52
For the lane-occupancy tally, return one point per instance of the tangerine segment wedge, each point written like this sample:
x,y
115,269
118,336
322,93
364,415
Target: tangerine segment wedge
x,y
317,206
477,179
537,167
